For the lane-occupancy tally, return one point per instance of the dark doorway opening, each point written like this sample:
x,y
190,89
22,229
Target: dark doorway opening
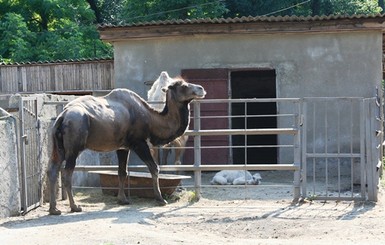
x,y
254,84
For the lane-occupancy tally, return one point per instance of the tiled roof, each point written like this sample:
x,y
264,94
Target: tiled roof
x,y
241,26
247,20
56,61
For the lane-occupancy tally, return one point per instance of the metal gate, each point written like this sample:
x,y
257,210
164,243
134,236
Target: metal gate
x,y
30,167
341,148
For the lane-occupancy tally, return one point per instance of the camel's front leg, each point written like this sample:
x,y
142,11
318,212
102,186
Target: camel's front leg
x,y
52,174
67,174
122,172
143,151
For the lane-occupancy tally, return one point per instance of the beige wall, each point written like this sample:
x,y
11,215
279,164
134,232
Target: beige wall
x,y
338,64
321,64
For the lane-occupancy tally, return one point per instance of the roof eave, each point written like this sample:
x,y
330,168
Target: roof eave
x,y
162,30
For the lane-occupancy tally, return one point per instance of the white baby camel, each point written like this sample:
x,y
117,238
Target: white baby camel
x,y
236,177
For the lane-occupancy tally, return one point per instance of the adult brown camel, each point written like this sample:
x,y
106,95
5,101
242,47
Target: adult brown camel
x,y
120,121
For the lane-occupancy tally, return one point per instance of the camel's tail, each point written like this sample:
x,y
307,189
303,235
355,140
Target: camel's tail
x,y
58,152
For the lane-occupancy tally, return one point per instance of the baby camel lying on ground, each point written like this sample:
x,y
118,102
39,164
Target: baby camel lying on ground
x,y
236,177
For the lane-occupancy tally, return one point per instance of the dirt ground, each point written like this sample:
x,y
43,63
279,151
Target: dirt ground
x,y
223,215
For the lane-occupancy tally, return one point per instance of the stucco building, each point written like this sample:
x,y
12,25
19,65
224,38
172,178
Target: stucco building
x,y
255,57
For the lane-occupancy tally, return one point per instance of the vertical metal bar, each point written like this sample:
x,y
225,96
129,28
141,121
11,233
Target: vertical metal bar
x,y
377,121
23,158
29,155
326,149
380,101
36,145
304,144
30,132
297,155
197,149
314,140
372,172
365,118
245,137
338,151
352,168
246,146
230,125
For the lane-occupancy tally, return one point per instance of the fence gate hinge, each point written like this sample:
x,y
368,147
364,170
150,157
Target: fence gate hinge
x,y
25,139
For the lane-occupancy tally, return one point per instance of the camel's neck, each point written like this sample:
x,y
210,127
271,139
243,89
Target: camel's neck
x,y
171,123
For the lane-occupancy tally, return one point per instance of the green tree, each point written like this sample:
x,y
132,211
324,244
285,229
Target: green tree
x,y
139,11
37,30
49,30
107,11
344,7
239,8
15,38
381,4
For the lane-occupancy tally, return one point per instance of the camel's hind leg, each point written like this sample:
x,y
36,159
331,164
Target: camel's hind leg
x,y
52,173
75,133
67,174
122,172
55,161
143,151
181,143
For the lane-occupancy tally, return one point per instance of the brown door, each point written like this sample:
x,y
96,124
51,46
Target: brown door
x,y
215,82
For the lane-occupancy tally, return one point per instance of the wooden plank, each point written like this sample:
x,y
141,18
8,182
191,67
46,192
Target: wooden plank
x,y
66,76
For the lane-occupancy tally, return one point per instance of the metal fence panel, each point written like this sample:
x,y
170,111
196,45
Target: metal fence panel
x,y
374,136
334,148
30,158
337,147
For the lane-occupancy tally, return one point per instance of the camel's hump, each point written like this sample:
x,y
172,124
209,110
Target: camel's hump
x,y
122,94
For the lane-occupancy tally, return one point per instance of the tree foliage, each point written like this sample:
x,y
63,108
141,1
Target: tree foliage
x,y
301,7
37,30
40,30
137,10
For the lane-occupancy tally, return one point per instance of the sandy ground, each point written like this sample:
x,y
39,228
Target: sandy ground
x,y
258,215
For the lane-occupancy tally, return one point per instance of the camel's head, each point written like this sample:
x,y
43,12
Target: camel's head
x,y
183,91
164,79
256,179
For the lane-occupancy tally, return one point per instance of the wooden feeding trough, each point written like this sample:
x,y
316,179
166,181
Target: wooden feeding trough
x,y
139,183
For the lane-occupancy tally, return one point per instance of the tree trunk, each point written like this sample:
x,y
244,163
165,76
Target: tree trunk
x,y
96,10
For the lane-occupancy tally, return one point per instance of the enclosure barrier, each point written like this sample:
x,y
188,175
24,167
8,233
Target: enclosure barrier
x,y
346,165
314,169
197,133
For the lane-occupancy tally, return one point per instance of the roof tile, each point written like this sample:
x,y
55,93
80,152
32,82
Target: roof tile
x,y
243,19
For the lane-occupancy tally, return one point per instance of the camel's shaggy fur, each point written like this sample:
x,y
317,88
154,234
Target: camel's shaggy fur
x,y
236,177
120,121
156,96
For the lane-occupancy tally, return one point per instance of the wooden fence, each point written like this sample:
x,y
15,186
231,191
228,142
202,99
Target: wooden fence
x,y
59,77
